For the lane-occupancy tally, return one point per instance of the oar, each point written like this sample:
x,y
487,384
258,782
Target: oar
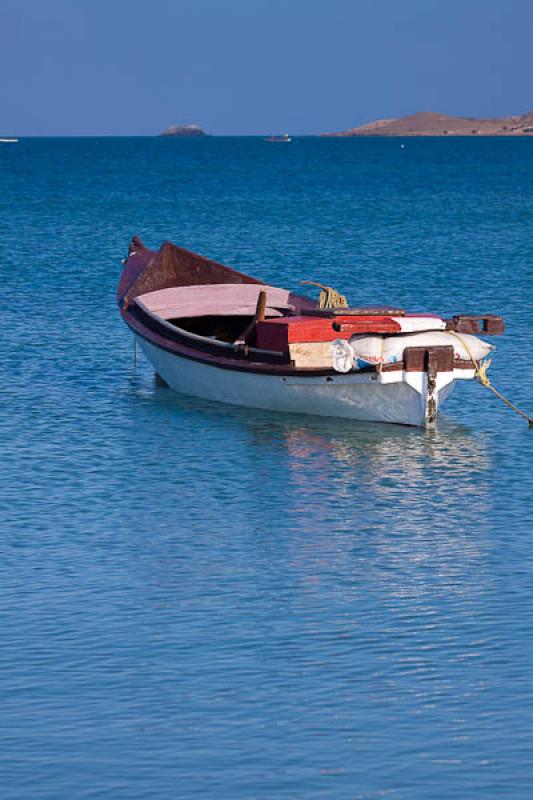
x,y
259,316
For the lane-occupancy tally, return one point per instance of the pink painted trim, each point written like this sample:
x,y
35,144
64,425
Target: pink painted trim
x,y
215,299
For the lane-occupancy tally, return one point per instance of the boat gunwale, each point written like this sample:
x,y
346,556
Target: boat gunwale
x,y
241,362
185,344
207,340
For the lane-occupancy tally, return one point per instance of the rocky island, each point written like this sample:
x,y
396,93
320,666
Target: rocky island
x,y
429,123
184,130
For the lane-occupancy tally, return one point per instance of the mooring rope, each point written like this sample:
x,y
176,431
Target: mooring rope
x,y
328,298
482,377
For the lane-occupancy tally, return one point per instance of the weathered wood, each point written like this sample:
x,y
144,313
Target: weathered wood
x,y
439,358
216,299
366,311
311,355
476,323
249,335
175,266
278,334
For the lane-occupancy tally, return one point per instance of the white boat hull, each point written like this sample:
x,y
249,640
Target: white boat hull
x,y
406,398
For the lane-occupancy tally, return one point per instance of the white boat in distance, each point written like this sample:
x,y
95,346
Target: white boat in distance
x,y
215,333
4,140
283,138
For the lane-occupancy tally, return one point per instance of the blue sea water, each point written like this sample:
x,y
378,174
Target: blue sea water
x,y
200,601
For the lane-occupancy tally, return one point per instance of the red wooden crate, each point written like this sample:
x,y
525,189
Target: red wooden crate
x,y
279,333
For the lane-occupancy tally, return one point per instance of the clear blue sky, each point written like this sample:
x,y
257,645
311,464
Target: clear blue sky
x,y
70,67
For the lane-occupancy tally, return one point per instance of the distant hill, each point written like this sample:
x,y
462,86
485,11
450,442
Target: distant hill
x,y
184,130
429,123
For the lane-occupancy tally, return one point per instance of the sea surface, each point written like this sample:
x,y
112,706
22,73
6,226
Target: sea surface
x,y
201,601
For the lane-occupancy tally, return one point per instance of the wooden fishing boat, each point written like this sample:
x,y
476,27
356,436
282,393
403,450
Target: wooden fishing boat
x,y
218,334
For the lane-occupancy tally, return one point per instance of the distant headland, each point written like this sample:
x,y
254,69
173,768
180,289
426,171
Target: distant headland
x,y
184,130
429,123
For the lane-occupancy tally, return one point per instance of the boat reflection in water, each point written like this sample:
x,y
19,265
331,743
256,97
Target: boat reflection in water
x,y
392,486
402,509
370,548
364,463
389,528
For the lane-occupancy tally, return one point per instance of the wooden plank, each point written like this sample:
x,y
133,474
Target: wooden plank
x,y
437,357
278,334
311,354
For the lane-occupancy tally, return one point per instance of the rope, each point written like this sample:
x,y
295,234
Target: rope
x,y
482,377
328,298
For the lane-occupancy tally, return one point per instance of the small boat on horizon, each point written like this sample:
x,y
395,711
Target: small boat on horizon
x,y
7,140
215,333
284,137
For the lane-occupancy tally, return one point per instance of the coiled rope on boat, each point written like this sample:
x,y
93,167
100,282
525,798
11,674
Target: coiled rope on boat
x,y
484,380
